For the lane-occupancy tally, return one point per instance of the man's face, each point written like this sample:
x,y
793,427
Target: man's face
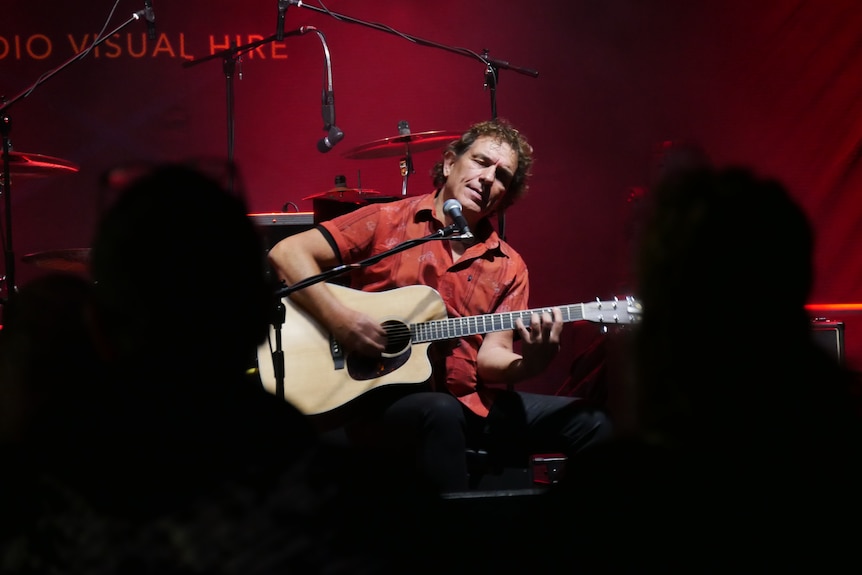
x,y
480,177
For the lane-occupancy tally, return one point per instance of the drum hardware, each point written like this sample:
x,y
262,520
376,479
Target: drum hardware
x,y
404,145
343,193
76,260
31,165
23,165
26,165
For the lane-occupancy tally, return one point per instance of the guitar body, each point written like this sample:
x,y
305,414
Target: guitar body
x,y
317,380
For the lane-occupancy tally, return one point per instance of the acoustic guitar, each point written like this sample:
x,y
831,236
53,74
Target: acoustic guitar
x,y
321,377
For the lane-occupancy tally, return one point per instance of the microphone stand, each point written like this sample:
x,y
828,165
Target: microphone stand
x,y
500,64
5,129
492,65
230,57
491,77
278,320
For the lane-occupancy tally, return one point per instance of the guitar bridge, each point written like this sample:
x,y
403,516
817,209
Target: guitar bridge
x,y
337,353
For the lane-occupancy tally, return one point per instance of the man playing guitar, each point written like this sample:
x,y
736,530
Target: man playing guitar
x,y
469,398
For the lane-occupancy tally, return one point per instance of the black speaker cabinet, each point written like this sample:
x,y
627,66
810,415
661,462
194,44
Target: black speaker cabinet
x,y
328,208
830,335
276,226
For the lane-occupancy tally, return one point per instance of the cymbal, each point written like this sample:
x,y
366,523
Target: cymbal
x,y
343,194
36,165
67,260
403,145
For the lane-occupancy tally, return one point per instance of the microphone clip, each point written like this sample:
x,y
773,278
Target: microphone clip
x,y
332,137
279,29
452,232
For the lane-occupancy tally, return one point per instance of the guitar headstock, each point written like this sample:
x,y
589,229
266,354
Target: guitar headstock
x,y
615,311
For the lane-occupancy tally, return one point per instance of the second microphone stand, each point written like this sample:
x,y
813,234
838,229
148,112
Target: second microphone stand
x,y
230,57
9,279
278,366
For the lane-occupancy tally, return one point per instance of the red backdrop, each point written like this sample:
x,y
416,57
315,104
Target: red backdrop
x,y
774,84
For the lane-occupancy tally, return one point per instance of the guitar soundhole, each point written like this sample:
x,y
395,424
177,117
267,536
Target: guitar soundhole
x,y
395,354
397,337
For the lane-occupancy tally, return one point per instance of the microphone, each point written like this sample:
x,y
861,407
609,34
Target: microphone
x,y
327,111
328,141
279,30
151,19
452,208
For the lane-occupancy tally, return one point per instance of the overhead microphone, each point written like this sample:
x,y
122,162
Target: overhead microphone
x,y
150,16
452,208
333,132
279,30
327,142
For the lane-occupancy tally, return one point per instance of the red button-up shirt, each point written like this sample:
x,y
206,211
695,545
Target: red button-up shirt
x,y
490,277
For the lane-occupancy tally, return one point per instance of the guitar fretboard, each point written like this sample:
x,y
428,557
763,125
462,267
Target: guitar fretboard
x,y
463,326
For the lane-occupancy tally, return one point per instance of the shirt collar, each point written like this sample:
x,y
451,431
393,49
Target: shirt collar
x,y
485,233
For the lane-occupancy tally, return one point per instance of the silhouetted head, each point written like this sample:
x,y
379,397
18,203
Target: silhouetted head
x,y
724,236
180,271
724,269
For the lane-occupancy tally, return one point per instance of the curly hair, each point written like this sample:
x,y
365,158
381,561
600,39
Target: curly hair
x,y
500,130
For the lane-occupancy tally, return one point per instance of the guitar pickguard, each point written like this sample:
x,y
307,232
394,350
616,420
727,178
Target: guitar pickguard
x,y
363,368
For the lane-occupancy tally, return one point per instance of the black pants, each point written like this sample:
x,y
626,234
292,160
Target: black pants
x,y
431,431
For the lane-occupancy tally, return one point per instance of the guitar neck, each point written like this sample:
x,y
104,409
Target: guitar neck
x,y
472,325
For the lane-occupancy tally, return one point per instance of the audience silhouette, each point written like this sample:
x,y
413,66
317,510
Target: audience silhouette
x,y
589,370
49,368
147,445
137,441
737,435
